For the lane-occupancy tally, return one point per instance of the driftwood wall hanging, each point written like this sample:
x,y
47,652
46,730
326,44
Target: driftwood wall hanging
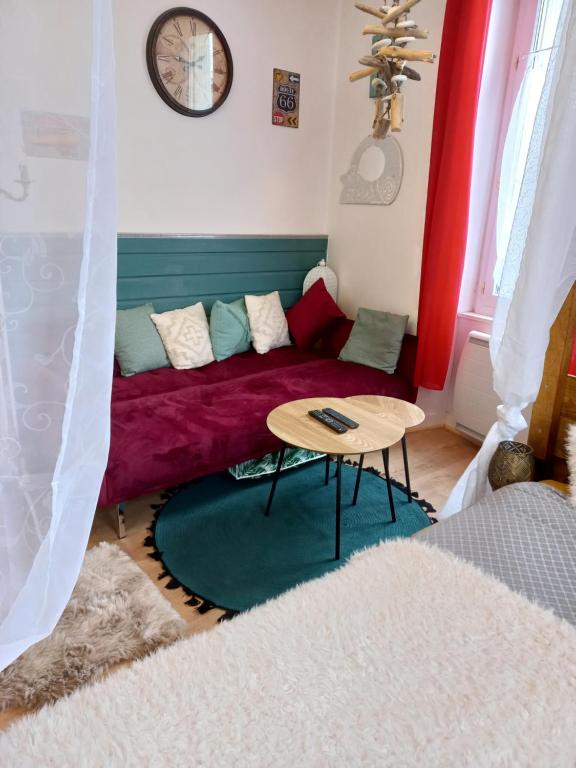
x,y
387,63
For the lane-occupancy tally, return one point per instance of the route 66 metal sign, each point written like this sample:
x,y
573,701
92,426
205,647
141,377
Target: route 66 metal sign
x,y
286,99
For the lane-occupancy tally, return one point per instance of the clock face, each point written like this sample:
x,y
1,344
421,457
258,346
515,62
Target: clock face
x,y
189,62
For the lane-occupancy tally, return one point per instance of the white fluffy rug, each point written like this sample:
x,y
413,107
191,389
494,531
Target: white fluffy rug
x,y
405,657
115,613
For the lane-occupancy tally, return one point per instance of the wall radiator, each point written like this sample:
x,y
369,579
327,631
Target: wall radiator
x,y
475,402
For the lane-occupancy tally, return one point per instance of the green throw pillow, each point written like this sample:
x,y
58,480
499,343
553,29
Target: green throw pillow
x,y
376,340
229,329
138,346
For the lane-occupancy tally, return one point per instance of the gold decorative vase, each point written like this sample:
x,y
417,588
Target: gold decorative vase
x,y
512,463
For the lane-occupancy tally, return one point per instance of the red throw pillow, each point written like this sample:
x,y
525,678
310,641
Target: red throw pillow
x,y
312,315
335,337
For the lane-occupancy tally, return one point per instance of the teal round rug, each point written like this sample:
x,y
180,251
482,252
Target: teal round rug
x,y
214,540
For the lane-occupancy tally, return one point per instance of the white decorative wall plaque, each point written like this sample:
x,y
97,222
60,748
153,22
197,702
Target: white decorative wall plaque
x,y
383,190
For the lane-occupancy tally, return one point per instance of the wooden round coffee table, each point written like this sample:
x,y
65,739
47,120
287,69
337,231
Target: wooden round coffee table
x,y
291,423
408,414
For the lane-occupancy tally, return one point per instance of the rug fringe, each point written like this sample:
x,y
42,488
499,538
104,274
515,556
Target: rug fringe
x,y
195,601
227,615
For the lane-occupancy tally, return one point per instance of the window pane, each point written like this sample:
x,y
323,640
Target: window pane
x,y
520,131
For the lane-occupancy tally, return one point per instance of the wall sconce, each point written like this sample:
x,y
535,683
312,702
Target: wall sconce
x,y
24,181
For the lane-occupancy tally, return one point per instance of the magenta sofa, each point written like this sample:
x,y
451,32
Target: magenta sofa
x,y
170,426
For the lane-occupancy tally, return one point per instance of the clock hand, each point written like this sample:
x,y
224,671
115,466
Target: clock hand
x,y
172,56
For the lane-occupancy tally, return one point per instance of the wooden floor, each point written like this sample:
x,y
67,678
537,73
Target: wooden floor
x,y
437,458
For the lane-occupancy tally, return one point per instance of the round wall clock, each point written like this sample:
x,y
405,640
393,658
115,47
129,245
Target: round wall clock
x,y
189,62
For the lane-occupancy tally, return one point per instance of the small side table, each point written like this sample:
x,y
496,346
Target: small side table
x,y
408,414
292,425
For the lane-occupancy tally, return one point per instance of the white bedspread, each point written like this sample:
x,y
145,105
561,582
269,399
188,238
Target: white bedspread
x,y
405,657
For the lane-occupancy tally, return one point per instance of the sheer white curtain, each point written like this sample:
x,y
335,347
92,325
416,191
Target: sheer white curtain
x,y
539,267
57,300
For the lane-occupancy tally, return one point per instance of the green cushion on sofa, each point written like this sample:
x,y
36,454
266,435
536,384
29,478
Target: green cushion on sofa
x,y
376,340
138,346
229,329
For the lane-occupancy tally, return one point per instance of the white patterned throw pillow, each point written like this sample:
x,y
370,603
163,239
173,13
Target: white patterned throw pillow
x,y
268,324
186,336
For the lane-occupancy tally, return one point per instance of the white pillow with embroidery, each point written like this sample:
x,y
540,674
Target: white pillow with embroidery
x,y
268,324
186,336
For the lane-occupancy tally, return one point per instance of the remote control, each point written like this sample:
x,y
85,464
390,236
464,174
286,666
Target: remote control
x,y
340,417
328,421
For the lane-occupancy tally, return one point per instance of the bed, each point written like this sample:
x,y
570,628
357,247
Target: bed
x,y
525,536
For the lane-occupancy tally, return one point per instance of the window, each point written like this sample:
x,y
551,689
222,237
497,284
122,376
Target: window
x,y
532,28
519,135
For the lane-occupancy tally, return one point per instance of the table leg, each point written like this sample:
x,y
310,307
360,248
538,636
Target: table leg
x,y
327,474
406,470
275,479
338,502
358,477
385,457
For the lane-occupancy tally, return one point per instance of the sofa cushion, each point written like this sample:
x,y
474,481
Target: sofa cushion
x,y
229,329
268,325
186,336
376,339
244,366
334,338
313,314
137,344
169,427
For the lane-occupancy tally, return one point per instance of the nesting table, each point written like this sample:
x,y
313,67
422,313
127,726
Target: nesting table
x,y
383,421
408,414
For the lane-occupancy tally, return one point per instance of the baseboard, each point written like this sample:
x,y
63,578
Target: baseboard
x,y
452,428
432,421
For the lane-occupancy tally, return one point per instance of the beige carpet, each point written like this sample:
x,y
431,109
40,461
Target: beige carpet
x,y
115,613
405,657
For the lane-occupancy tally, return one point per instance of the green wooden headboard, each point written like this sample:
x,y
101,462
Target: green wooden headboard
x,y
178,270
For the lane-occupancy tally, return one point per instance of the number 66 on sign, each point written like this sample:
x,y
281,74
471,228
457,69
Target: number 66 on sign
x,y
286,99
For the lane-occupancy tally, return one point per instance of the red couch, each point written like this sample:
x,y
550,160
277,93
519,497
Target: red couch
x,y
172,426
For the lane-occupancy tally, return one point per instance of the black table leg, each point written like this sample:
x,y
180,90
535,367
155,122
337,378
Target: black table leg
x,y
358,477
338,500
327,475
385,457
275,479
406,470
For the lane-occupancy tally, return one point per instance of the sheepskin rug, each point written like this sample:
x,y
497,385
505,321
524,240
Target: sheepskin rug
x,y
115,613
404,657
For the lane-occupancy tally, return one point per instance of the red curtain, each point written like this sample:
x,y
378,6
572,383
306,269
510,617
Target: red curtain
x,y
459,78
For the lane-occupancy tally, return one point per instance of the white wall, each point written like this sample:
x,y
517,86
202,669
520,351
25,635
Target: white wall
x,y
231,172
31,85
377,250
